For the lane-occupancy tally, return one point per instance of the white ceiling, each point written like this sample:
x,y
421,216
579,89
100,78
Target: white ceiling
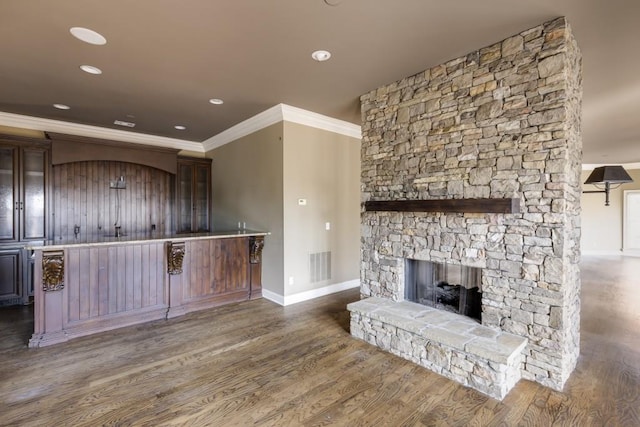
x,y
165,59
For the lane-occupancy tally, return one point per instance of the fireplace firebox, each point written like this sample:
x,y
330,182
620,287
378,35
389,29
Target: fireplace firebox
x,y
454,288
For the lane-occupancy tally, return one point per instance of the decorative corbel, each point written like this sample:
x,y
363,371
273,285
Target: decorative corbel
x,y
175,256
52,271
256,243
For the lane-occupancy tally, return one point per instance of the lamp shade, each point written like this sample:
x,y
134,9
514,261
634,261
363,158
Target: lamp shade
x,y
610,174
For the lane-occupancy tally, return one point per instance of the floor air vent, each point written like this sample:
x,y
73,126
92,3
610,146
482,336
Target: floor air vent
x,y
320,266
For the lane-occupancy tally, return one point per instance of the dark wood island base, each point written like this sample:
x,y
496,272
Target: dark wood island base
x,y
82,288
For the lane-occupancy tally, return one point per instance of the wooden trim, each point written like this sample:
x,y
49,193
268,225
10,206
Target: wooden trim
x,y
70,149
109,142
507,205
22,141
204,160
256,244
106,323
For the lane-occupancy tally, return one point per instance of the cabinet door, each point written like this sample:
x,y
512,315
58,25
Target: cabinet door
x,y
32,205
9,205
10,292
194,195
201,192
185,198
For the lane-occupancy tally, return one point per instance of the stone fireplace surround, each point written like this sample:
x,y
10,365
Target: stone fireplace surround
x,y
500,122
454,288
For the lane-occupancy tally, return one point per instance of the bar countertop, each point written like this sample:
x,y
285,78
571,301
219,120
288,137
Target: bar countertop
x,y
136,238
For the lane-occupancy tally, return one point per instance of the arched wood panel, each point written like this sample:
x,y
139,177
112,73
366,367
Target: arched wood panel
x,y
82,197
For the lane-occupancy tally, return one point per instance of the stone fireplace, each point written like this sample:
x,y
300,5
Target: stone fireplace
x,y
499,123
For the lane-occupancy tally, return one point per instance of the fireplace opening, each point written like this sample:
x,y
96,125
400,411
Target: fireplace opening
x,y
454,288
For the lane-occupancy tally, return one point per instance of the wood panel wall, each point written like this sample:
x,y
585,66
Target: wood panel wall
x,y
105,280
215,267
81,196
214,272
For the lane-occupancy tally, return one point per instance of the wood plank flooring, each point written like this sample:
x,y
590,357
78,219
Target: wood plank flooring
x,y
255,363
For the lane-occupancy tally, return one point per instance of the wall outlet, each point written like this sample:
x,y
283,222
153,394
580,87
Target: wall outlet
x,y
327,226
291,280
302,202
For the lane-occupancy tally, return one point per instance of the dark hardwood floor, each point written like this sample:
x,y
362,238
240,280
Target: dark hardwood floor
x,y
255,363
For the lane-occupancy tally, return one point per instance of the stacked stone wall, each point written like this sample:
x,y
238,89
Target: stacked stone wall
x,y
503,121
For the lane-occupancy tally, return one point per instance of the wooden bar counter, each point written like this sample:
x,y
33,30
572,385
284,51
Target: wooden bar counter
x,y
85,287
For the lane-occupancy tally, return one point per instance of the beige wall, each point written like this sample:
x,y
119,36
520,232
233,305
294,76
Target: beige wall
x,y
324,168
602,225
259,178
247,177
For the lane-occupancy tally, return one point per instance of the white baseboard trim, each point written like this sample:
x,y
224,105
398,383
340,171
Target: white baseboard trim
x,y
601,253
272,296
631,252
308,295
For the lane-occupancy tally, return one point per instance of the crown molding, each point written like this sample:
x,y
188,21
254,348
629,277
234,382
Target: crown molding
x,y
273,115
48,125
279,113
309,118
592,166
253,124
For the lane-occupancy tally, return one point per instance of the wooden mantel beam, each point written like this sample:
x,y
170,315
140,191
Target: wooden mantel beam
x,y
507,205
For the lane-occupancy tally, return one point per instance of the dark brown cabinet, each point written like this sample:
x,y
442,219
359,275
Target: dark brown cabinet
x,y
193,193
10,281
23,203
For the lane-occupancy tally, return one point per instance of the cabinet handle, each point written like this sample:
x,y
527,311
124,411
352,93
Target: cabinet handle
x,y
21,205
17,206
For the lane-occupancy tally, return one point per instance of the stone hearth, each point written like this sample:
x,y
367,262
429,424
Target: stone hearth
x,y
500,122
449,344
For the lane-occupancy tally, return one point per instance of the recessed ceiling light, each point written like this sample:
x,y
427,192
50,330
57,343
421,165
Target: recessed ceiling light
x,y
180,127
88,36
90,69
61,107
216,101
321,55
